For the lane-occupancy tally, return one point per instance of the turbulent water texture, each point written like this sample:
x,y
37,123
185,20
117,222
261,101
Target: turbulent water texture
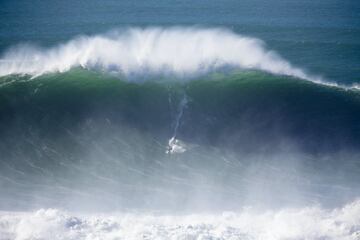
x,y
308,223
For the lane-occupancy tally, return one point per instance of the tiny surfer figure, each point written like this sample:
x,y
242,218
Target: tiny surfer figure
x,y
175,146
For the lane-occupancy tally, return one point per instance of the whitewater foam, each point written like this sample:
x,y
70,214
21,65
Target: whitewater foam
x,y
181,51
305,223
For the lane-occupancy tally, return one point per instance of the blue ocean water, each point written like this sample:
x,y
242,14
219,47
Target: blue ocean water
x,y
179,119
322,37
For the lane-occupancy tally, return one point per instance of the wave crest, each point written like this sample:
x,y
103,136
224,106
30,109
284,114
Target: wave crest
x,y
181,51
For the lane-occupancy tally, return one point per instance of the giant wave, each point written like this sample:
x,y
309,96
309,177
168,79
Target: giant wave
x,y
80,131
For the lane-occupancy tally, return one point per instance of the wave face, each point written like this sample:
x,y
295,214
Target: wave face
x,y
180,51
90,137
307,223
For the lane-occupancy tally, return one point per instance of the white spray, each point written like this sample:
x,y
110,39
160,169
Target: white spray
x,y
179,51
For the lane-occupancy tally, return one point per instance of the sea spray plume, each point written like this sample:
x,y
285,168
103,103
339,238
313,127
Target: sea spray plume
x,y
179,51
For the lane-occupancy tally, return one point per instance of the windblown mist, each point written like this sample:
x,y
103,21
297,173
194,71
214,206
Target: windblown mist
x,y
187,132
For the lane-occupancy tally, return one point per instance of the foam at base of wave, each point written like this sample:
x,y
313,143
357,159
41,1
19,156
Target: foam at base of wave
x,y
305,223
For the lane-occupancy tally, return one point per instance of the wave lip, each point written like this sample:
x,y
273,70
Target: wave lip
x,y
176,50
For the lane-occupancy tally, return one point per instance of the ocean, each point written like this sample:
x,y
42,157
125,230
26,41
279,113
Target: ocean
x,y
180,119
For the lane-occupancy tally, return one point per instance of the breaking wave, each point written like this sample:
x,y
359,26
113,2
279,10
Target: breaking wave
x,y
180,51
252,138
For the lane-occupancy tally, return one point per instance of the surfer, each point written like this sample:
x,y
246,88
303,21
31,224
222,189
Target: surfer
x,y
175,146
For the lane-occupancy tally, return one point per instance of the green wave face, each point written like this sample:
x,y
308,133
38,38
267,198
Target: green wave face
x,y
92,137
263,103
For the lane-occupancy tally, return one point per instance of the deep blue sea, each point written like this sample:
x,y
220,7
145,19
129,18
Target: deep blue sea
x,y
180,119
320,36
